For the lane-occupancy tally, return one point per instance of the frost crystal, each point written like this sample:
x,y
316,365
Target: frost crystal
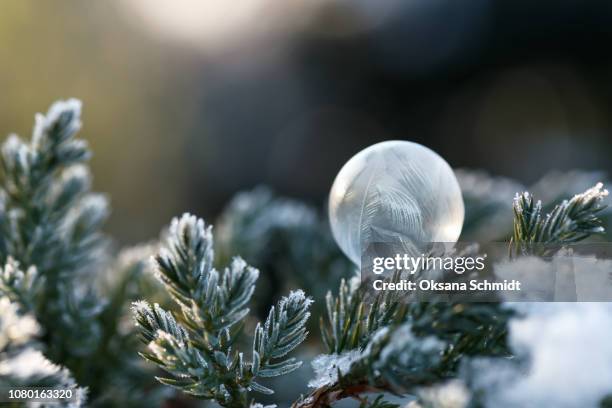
x,y
326,367
27,364
15,330
62,115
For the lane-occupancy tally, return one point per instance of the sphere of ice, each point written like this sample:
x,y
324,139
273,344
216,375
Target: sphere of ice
x,y
395,191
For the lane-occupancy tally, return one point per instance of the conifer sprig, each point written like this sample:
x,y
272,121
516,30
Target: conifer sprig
x,y
351,319
54,254
283,331
570,221
50,238
51,219
195,346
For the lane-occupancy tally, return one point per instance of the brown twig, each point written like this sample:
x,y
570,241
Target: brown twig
x,y
325,396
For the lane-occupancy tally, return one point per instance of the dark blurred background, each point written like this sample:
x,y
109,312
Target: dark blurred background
x,y
188,101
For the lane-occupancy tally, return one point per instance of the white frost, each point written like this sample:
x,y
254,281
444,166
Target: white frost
x,y
326,367
15,330
29,363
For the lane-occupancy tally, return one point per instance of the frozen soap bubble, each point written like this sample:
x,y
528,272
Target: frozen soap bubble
x,y
395,191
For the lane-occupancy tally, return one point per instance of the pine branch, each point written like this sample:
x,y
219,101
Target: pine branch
x,y
351,320
282,332
50,236
54,251
570,221
47,193
208,299
50,220
195,347
395,343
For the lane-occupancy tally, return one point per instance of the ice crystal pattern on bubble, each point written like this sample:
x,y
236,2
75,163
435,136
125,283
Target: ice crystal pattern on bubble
x,y
395,191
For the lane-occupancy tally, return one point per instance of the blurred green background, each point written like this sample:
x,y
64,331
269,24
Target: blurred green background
x,y
187,102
